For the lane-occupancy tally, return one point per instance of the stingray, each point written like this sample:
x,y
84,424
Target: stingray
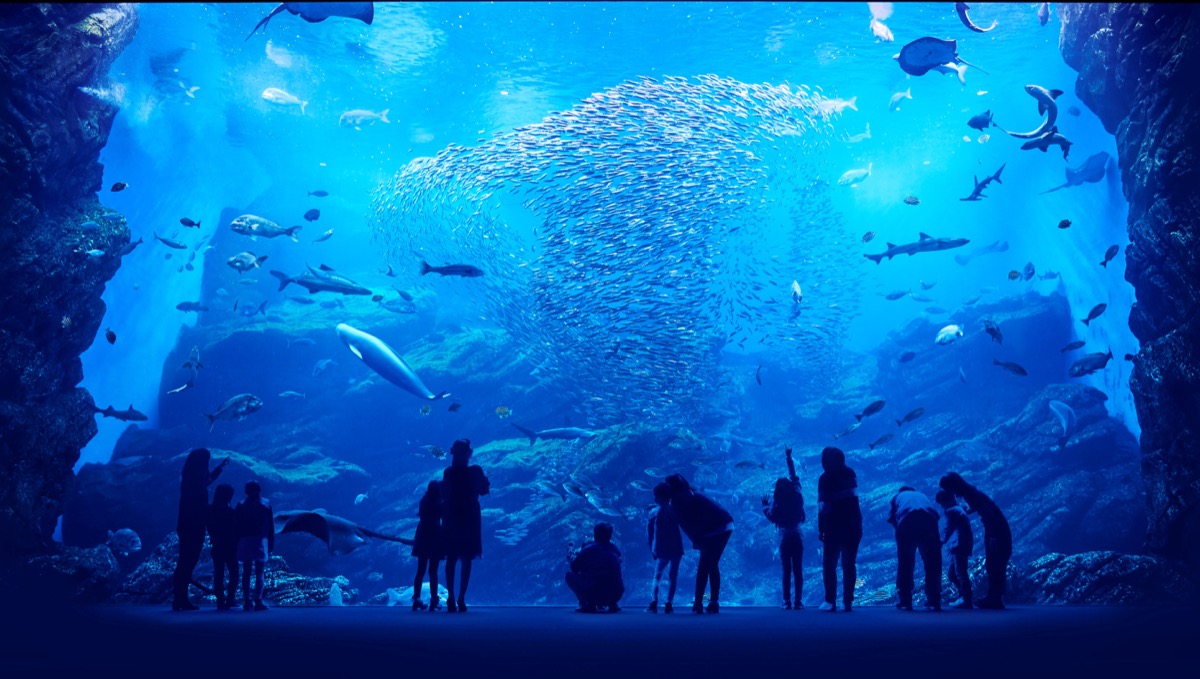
x,y
314,12
342,536
925,54
1066,419
1092,171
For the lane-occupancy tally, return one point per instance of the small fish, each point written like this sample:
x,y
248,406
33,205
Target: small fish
x,y
405,296
191,306
169,243
912,200
797,293
898,294
1094,313
1049,275
112,217
463,270
1013,368
89,225
848,430
868,236
911,416
749,464
95,254
1043,13
376,298
994,330
361,498
188,222
313,215
1130,357
1029,271
655,472
982,121
436,451
425,409
962,375
1089,364
907,356
871,409
291,395
119,186
1064,224
879,441
455,407
1014,275
758,375
852,177
1077,344
110,336
503,412
302,300
390,272
359,116
1109,254
323,237
927,286
278,96
948,334
318,193
638,484
894,103
124,542
1074,110
984,138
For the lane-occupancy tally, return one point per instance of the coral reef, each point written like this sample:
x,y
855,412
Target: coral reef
x,y
1137,66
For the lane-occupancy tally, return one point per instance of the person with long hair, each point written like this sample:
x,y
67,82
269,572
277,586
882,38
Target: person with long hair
x,y
709,526
462,523
192,522
839,526
785,509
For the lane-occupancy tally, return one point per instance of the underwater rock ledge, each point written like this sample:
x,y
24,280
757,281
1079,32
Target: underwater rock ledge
x,y
1137,65
52,133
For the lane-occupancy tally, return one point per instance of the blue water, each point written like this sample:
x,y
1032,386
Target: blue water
x,y
462,73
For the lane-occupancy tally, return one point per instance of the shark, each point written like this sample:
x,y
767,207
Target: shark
x,y
563,433
316,280
1091,171
342,536
1045,99
1051,138
926,243
127,415
977,192
193,363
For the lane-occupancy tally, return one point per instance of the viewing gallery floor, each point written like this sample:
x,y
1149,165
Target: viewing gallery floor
x,y
522,642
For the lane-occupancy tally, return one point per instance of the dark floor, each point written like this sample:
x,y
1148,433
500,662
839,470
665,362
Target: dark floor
x,y
523,642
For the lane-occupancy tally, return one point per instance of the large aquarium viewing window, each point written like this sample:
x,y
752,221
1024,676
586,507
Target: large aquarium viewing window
x,y
543,310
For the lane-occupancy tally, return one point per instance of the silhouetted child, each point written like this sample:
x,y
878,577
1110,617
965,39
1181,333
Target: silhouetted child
x,y
222,535
997,536
786,510
256,540
595,575
959,541
427,545
666,546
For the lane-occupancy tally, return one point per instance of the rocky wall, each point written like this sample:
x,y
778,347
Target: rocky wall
x,y
54,119
1137,67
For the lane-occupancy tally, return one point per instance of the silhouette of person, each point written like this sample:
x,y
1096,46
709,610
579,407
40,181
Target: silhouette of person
x,y
256,540
190,526
666,546
709,527
839,526
959,541
915,519
595,575
997,537
462,525
427,545
785,509
222,535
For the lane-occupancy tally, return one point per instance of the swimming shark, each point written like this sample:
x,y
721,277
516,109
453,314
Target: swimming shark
x,y
977,192
314,12
563,433
127,415
193,363
1045,99
342,536
1051,138
1091,171
926,243
961,8
319,281
385,361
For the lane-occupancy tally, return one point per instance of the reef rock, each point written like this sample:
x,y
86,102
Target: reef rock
x,y
1101,578
76,575
51,133
1137,67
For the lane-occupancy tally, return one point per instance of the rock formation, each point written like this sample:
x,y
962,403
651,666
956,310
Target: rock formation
x,y
51,133
1137,67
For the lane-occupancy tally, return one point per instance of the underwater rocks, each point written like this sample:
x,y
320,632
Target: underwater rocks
x,y
142,491
1101,578
1137,66
151,582
73,574
51,134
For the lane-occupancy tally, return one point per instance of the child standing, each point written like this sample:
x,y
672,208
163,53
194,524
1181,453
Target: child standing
x,y
786,511
256,540
959,541
427,546
222,534
666,546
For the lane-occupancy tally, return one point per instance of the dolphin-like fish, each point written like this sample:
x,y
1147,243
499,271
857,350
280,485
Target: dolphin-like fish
x,y
1092,171
977,192
342,536
926,243
314,12
1066,419
563,433
385,361
1045,99
961,8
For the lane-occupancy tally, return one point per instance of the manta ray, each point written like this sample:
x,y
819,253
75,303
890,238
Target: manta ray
x,y
314,12
926,54
342,536
1091,171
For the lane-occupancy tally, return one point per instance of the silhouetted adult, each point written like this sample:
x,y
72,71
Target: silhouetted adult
x,y
595,575
839,526
997,537
709,527
193,518
255,522
223,537
916,521
785,509
462,526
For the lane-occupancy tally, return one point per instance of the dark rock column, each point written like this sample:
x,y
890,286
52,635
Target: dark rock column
x,y
51,133
1138,66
